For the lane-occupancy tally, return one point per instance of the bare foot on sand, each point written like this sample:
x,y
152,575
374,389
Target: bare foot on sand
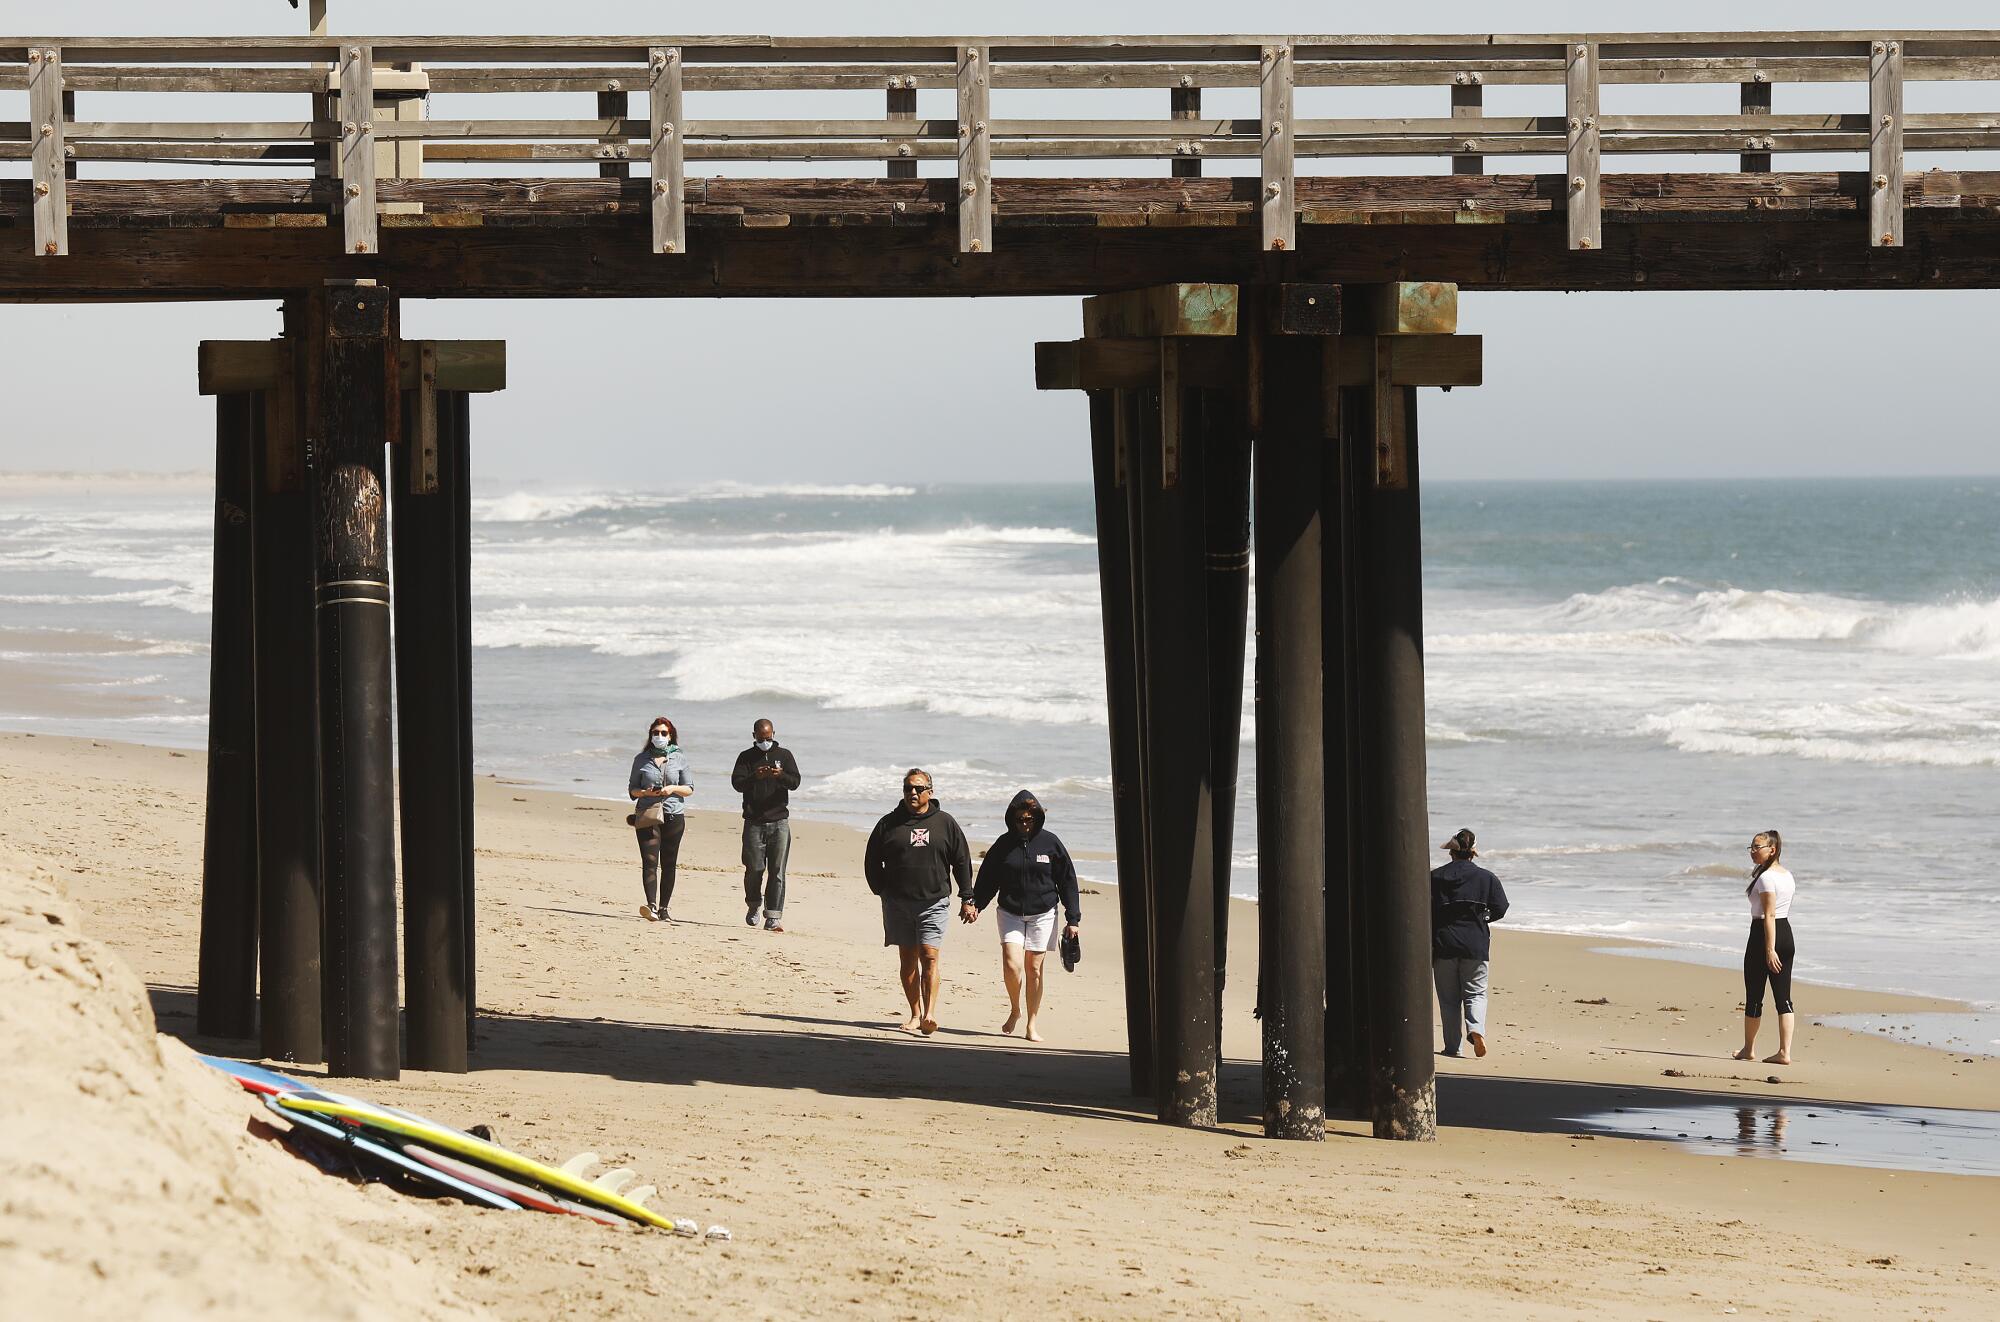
x,y
1032,1035
1779,1059
927,1027
1741,1055
1012,1021
911,1025
1478,1041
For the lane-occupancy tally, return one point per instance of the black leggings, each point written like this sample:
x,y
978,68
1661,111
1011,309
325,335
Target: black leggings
x,y
659,852
1756,971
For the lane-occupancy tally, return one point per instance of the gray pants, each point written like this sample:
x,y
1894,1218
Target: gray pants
x,y
766,846
1461,985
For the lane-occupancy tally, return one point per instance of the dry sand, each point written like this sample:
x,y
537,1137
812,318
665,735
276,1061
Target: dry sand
x,y
759,1082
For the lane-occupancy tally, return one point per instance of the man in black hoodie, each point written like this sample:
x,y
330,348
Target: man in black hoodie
x,y
1465,898
766,773
913,855
1029,871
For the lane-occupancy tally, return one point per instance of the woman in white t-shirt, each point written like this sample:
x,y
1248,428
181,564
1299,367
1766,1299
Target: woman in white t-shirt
x,y
1767,957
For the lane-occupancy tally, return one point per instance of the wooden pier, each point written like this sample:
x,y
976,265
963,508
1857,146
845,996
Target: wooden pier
x,y
1254,315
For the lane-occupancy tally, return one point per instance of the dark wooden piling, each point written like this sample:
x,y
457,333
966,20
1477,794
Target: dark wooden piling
x,y
458,458
1346,949
423,506
1291,780
1227,510
288,798
1121,685
226,977
358,413
1395,816
1169,471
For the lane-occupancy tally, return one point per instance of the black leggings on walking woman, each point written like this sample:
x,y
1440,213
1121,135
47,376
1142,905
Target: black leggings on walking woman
x,y
1756,971
659,852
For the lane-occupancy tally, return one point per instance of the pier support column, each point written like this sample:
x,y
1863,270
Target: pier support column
x,y
1292,874
425,478
1227,490
1110,414
226,981
288,798
357,405
1170,468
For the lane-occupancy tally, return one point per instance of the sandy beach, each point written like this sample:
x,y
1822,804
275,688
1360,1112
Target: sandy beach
x,y
758,1080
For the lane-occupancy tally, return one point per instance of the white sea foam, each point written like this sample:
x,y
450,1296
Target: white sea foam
x,y
1883,731
547,506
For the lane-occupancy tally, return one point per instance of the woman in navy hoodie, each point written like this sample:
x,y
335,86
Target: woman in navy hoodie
x,y
1029,871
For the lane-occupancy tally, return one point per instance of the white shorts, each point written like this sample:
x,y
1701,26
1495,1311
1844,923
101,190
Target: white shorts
x,y
1038,933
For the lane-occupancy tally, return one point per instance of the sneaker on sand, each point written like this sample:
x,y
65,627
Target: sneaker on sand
x,y
1478,1041
774,927
750,918
649,913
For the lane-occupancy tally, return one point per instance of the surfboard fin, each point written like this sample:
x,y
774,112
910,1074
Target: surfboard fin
x,y
580,1163
615,1180
640,1194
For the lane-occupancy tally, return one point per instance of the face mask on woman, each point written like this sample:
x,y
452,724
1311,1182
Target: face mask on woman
x,y
661,742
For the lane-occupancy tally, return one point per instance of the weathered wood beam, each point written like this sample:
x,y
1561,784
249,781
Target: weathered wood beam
x,y
357,149
1407,307
1184,101
975,152
1885,144
1279,203
1585,205
225,367
48,176
1176,309
615,104
1415,360
1132,364
669,167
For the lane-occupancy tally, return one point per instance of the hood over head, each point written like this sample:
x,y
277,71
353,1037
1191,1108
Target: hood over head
x,y
1026,798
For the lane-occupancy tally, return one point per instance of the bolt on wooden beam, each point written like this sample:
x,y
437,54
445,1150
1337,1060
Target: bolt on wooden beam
x,y
1276,202
45,128
665,104
1586,217
975,152
1885,143
357,149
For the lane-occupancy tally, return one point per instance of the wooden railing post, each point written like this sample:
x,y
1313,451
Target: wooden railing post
x,y
975,152
1185,102
1754,101
1468,102
669,151
357,148
1274,84
48,159
902,109
1885,144
614,102
1586,220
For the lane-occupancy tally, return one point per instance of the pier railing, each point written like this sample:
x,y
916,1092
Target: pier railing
x,y
367,96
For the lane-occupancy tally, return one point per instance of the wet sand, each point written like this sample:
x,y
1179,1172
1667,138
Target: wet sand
x,y
760,1082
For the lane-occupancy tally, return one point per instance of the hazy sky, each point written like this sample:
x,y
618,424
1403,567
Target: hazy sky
x,y
1578,385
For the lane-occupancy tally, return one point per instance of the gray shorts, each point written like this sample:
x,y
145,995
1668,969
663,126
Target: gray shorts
x,y
914,922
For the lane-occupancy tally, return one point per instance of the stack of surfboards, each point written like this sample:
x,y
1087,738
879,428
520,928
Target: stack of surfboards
x,y
409,1150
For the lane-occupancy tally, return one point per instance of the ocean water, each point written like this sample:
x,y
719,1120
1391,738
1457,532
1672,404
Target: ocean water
x,y
1625,681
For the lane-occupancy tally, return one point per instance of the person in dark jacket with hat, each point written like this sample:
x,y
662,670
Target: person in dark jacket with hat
x,y
1028,870
1465,900
914,854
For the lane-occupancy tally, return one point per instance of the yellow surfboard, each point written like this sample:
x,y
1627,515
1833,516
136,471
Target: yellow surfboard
x,y
490,1155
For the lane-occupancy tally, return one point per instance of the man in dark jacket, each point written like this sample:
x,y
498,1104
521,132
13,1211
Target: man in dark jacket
x,y
1028,870
1465,899
914,854
765,776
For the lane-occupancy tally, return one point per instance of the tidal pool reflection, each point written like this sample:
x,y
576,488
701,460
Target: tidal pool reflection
x,y
1911,1138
